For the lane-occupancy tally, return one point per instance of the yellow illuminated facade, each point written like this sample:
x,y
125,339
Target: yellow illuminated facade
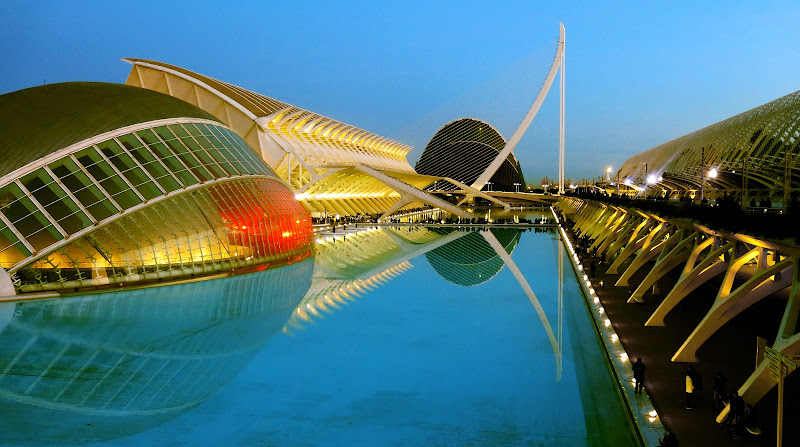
x,y
161,192
331,166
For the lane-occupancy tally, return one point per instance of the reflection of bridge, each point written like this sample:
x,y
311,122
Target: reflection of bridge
x,y
350,265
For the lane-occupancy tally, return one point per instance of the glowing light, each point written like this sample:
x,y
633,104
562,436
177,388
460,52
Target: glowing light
x,y
591,290
713,173
653,413
602,311
614,337
287,233
651,419
651,179
607,322
623,357
585,277
628,182
608,170
596,300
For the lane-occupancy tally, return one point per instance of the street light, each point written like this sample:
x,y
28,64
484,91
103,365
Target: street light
x,y
489,184
517,186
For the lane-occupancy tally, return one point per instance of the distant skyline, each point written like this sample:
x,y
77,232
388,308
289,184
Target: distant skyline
x,y
637,75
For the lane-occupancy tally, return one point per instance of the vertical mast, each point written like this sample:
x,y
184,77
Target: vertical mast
x,y
561,54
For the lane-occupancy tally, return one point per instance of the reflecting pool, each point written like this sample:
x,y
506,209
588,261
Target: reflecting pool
x,y
389,336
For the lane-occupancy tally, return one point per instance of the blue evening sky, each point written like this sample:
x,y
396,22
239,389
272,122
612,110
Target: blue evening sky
x,y
638,74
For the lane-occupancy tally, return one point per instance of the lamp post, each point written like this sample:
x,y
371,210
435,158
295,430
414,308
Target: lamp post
x,y
702,172
489,184
517,186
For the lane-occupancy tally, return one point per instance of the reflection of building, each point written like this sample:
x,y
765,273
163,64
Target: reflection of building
x,y
105,183
124,362
470,260
333,167
463,149
349,266
756,151
353,265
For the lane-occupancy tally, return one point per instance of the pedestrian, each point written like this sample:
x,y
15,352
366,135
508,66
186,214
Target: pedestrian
x,y
638,374
669,440
738,408
719,390
690,387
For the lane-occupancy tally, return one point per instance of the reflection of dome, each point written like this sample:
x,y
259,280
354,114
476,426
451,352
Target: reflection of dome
x,y
127,361
463,149
470,260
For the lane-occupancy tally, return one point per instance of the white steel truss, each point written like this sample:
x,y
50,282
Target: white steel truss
x,y
321,159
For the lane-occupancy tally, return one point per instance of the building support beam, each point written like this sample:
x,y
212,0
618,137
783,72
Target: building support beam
x,y
729,304
692,277
675,257
787,343
651,248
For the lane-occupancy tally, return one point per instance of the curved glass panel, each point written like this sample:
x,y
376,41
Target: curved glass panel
x,y
227,225
96,183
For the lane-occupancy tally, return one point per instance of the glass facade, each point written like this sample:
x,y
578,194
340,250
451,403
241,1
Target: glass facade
x,y
227,225
243,220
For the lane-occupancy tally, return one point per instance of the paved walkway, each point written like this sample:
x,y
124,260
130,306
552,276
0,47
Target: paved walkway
x,y
732,350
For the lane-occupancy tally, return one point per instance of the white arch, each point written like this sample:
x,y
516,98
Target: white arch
x,y
558,62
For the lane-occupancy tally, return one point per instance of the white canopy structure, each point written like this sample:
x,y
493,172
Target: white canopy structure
x,y
332,167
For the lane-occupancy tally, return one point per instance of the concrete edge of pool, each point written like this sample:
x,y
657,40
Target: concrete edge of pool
x,y
641,410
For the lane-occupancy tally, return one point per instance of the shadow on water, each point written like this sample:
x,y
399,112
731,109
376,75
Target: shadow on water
x,y
97,367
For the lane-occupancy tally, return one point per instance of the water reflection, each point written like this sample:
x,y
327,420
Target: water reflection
x,y
471,260
126,361
98,367
351,265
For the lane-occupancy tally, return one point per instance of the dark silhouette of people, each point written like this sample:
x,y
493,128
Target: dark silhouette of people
x,y
669,440
738,411
720,381
638,374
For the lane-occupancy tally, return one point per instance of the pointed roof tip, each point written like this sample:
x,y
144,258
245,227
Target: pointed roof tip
x,y
127,59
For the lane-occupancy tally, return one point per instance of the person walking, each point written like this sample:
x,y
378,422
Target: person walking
x,y
719,390
638,374
690,387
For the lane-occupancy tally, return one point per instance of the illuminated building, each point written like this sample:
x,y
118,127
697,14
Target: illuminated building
x,y
109,184
333,167
753,154
463,150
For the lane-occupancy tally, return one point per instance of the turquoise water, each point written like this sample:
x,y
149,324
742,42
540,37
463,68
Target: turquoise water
x,y
406,336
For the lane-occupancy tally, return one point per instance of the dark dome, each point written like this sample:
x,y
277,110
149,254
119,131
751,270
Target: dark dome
x,y
37,121
470,260
463,149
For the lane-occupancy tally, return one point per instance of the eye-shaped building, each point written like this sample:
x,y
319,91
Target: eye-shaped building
x,y
108,184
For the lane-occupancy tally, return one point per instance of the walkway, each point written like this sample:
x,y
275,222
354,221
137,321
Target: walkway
x,y
732,350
